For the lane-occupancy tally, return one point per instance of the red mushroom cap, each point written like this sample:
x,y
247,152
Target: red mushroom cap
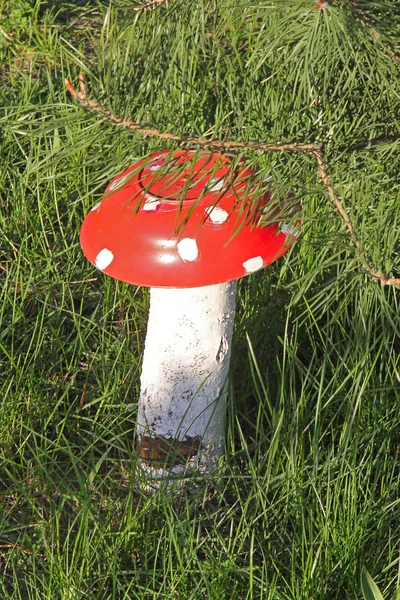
x,y
183,219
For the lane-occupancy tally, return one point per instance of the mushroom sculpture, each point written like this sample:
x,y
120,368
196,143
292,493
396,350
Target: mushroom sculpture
x,y
186,225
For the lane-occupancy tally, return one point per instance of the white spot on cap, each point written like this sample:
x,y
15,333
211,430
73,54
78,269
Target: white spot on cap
x,y
151,203
253,264
289,229
218,184
117,183
95,207
217,215
160,160
103,259
187,249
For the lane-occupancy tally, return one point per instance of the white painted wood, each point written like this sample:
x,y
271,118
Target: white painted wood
x,y
185,370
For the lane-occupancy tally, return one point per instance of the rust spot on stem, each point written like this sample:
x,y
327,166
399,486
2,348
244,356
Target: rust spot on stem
x,y
168,451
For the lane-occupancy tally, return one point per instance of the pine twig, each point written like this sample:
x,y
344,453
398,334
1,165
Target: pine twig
x,y
82,97
227,145
326,180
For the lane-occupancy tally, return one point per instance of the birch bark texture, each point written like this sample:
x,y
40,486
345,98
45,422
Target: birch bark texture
x,y
182,403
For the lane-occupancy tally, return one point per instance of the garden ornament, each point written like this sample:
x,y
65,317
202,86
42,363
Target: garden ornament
x,y
185,224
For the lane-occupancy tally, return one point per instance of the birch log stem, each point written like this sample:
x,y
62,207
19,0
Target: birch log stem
x,y
182,404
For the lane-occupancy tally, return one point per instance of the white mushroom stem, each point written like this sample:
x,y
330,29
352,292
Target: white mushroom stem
x,y
182,404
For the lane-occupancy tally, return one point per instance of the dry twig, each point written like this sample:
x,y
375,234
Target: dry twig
x,y
229,145
150,5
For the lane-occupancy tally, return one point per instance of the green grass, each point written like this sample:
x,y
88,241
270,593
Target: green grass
x,y
308,492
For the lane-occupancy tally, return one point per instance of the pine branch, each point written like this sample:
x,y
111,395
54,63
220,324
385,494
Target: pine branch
x,y
362,18
383,139
226,145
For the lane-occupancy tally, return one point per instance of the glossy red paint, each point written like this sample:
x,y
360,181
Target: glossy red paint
x,y
182,219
